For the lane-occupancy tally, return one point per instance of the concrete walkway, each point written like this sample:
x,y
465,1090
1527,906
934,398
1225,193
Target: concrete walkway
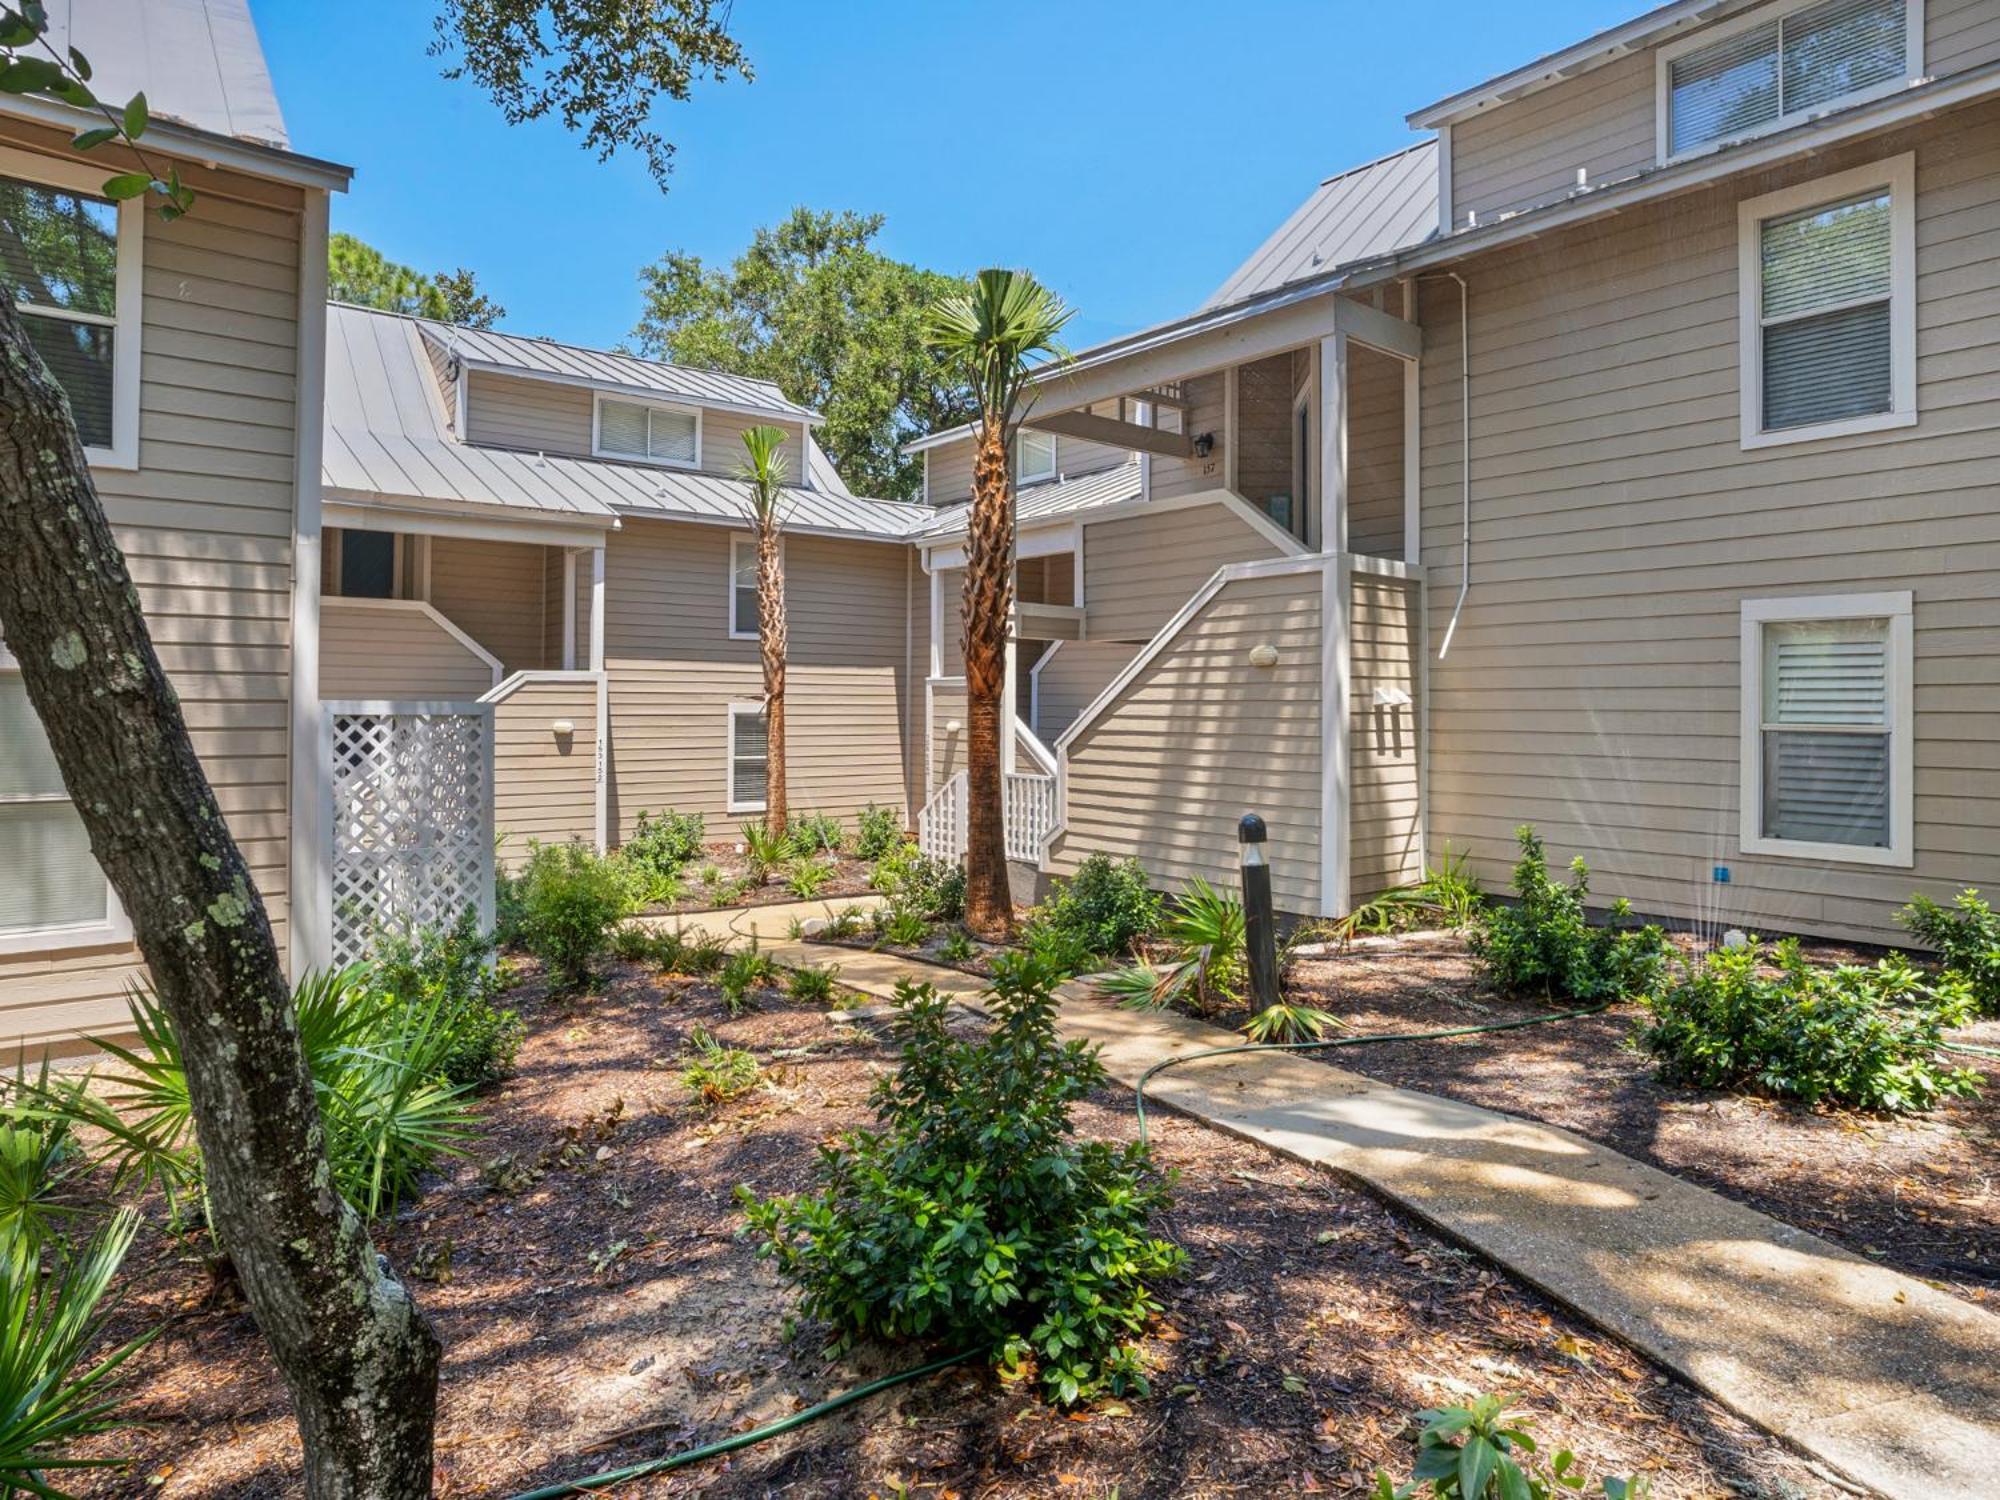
x,y
1892,1383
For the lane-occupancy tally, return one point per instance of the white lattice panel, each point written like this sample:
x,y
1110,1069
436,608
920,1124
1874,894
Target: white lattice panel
x,y
412,819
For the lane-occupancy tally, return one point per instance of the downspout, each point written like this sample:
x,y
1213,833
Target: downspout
x,y
1464,462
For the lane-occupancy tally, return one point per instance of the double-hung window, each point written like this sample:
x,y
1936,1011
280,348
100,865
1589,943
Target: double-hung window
x,y
648,432
1766,71
748,756
1827,288
743,588
1034,456
53,894
71,260
1827,727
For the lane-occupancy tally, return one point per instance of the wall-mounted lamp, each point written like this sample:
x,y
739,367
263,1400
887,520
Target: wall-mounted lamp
x,y
563,728
1204,445
1264,655
953,727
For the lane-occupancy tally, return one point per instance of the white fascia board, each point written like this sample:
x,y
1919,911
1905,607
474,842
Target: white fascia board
x,y
491,523
200,146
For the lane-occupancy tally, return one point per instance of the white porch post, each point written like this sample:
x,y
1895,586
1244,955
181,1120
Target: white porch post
x,y
569,609
1333,443
603,698
1336,645
1007,714
311,905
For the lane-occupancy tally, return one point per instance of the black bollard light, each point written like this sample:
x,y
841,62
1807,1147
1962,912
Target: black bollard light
x,y
1260,929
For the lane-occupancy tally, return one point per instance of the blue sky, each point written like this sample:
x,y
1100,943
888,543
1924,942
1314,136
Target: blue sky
x,y
1141,151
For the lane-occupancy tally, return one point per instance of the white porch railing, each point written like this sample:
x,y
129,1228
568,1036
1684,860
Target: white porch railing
x,y
411,819
1028,813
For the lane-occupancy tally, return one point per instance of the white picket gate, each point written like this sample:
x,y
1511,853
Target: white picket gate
x,y
1028,812
410,820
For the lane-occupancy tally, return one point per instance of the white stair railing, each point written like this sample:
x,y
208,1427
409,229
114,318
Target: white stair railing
x,y
941,825
1029,809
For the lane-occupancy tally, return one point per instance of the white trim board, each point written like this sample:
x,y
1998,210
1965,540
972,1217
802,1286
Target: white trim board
x,y
650,404
311,779
730,805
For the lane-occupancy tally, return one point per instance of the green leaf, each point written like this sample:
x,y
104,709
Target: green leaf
x,y
1476,1463
80,64
1514,1484
136,116
90,140
127,185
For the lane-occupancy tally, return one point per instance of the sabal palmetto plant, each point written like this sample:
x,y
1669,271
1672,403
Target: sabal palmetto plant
x,y
1000,333
51,1314
765,848
1209,962
764,471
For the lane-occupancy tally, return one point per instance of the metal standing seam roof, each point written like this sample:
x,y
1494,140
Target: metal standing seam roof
x,y
386,441
1052,501
198,62
484,347
1373,210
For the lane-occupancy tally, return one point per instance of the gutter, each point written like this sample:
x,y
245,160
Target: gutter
x,y
205,147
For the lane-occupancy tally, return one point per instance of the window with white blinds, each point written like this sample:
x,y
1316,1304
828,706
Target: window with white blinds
x,y
1765,72
748,756
1827,727
1034,456
743,588
656,434
54,894
1828,282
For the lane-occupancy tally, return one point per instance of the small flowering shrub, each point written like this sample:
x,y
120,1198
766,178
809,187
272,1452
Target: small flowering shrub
x,y
1863,1037
881,829
1545,944
972,1214
1967,937
568,899
913,881
665,845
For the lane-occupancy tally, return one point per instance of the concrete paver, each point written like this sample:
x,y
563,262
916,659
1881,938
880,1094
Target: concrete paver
x,y
1889,1381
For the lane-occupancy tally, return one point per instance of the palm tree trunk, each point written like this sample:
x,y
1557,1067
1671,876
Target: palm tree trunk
x,y
989,599
358,1356
771,638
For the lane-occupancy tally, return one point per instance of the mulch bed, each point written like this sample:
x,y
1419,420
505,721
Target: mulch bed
x,y
849,879
1921,1193
597,1307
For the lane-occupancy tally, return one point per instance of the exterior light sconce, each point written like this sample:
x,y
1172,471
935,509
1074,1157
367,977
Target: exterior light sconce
x,y
953,727
1263,656
563,728
1204,445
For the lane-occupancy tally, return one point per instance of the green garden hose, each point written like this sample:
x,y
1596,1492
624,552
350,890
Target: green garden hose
x,y
596,1482
1139,1089
1968,1047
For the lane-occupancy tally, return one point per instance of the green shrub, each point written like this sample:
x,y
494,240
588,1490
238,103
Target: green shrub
x,y
957,947
1967,938
813,986
718,1074
1107,903
1288,1021
1210,960
932,888
665,845
972,1214
1864,1037
702,954
449,972
816,834
1478,1452
1546,945
881,829
646,888
764,852
903,927
845,923
1061,950
569,898
747,969
1448,896
808,878
633,943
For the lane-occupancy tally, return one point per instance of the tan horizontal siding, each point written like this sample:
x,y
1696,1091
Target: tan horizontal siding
x,y
1208,411
674,671
1070,679
1618,525
1374,453
1200,737
1385,836
947,745
1528,151
496,592
1960,35
1140,568
951,463
544,783
369,651
205,523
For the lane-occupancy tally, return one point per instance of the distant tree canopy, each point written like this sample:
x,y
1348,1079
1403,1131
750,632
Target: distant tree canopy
x,y
600,64
359,273
835,323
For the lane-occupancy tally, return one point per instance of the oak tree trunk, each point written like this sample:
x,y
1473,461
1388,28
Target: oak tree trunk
x,y
771,639
357,1355
989,600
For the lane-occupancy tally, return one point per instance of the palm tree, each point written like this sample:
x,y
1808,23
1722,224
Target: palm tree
x,y
1001,332
764,471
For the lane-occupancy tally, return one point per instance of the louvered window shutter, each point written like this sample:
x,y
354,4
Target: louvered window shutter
x,y
1826,289
1827,732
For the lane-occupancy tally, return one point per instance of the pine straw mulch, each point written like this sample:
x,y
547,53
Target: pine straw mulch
x,y
597,1307
1920,1193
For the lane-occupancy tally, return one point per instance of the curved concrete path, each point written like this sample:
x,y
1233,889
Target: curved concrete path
x,y
1892,1383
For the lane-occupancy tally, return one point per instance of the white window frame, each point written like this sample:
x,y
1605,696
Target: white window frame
x,y
130,291
748,543
753,707
1663,76
1896,607
1898,175
597,427
114,927
1021,476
